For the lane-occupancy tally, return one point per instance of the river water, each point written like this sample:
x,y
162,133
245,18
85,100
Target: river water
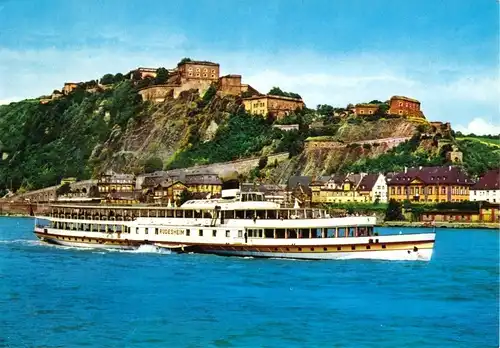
x,y
65,297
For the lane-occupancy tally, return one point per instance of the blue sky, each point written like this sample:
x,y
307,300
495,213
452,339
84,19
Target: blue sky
x,y
444,53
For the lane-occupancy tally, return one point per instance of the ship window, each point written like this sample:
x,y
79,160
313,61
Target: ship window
x,y
146,230
228,233
339,248
137,230
269,233
200,233
353,247
188,214
188,232
214,233
368,247
178,213
383,246
240,233
170,213
300,249
325,249
156,230
312,249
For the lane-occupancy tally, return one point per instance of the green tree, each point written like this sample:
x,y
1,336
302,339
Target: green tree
x,y
394,211
153,164
118,78
262,162
209,94
185,196
161,76
382,110
325,110
277,91
107,79
63,189
185,60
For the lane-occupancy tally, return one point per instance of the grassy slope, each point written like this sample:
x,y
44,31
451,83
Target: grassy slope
x,y
486,141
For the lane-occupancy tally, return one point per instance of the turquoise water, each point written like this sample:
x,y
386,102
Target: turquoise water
x,y
63,297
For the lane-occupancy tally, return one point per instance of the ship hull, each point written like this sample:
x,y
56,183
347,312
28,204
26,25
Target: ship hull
x,y
408,251
394,255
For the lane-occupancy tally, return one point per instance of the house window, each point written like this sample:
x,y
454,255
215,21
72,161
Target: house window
x,y
370,112
213,76
443,190
197,69
361,111
393,190
190,74
213,71
204,75
400,104
399,190
400,112
197,75
429,190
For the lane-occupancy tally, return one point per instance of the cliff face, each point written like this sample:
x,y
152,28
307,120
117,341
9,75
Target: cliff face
x,y
353,143
381,129
167,128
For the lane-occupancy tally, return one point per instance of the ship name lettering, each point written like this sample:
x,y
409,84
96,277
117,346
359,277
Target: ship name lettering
x,y
171,231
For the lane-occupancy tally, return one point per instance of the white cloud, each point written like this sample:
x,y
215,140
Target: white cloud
x,y
479,126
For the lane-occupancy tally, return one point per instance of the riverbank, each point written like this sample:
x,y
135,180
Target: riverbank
x,y
487,225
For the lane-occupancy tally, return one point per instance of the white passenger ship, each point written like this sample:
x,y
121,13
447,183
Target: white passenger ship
x,y
239,224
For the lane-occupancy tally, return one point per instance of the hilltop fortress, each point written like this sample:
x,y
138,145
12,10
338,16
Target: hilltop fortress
x,y
190,74
201,75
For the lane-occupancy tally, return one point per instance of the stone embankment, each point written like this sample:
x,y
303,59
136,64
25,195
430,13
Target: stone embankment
x,y
488,225
21,209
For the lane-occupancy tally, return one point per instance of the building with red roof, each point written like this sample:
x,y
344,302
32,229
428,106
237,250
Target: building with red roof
x,y
487,188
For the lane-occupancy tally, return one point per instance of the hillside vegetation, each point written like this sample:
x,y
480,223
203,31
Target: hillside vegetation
x,y
84,134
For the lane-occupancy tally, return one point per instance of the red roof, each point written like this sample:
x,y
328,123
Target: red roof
x,y
450,175
368,182
489,181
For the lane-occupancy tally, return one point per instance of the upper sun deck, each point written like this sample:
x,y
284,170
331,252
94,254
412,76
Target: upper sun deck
x,y
233,199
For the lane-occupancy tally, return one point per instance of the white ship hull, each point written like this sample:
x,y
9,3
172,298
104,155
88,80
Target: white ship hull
x,y
393,255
